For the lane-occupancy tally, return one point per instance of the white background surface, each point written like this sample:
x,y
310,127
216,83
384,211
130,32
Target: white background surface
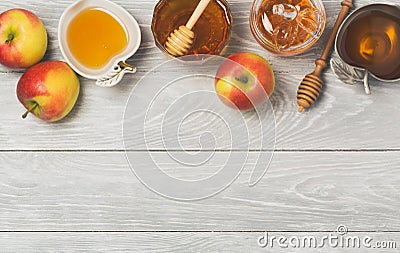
x,y
67,186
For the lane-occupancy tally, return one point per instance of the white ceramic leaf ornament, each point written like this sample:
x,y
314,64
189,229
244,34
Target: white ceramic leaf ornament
x,y
115,76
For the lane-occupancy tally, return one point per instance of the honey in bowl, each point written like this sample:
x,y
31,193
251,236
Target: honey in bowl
x,y
94,37
281,24
212,30
371,40
287,27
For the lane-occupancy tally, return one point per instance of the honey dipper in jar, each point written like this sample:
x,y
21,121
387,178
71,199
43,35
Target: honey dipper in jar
x,y
211,32
181,39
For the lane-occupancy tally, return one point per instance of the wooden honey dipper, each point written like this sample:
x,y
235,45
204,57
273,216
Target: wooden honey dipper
x,y
179,42
311,85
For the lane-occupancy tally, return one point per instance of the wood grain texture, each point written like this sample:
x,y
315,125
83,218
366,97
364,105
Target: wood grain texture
x,y
95,191
148,55
344,118
170,242
88,199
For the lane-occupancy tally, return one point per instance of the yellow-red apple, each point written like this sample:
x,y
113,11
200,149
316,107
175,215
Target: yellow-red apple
x,y
48,90
23,39
244,81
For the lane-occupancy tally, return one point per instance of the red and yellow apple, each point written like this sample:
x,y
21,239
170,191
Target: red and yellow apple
x,y
244,81
48,90
23,39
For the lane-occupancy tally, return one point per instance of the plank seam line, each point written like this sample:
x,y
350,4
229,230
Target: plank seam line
x,y
195,150
194,231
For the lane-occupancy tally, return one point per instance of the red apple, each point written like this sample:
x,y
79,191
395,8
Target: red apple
x,y
244,81
49,90
23,39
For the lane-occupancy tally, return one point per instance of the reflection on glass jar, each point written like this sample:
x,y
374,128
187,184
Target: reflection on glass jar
x,y
212,30
287,27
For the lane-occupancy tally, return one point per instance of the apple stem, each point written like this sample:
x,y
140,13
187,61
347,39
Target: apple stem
x,y
242,79
29,111
10,38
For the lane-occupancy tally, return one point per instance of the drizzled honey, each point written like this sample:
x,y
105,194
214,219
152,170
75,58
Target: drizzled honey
x,y
372,41
95,37
288,23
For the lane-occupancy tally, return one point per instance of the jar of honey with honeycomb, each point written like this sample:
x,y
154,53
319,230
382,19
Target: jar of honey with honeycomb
x,y
287,27
212,30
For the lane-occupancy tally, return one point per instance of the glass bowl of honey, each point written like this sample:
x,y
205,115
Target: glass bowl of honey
x,y
287,27
212,30
96,37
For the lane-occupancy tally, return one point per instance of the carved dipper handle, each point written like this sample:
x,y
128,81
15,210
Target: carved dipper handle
x,y
311,85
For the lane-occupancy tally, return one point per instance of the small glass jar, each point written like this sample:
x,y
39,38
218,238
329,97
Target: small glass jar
x,y
212,30
287,27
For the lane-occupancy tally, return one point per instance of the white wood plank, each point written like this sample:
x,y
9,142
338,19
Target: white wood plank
x,y
171,242
148,55
97,191
344,118
314,191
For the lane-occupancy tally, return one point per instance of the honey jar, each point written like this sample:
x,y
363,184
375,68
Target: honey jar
x,y
212,30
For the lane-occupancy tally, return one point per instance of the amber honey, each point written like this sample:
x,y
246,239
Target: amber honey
x,y
94,37
287,27
372,41
288,23
212,30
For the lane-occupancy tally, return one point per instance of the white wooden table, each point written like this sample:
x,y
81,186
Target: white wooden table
x,y
67,186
